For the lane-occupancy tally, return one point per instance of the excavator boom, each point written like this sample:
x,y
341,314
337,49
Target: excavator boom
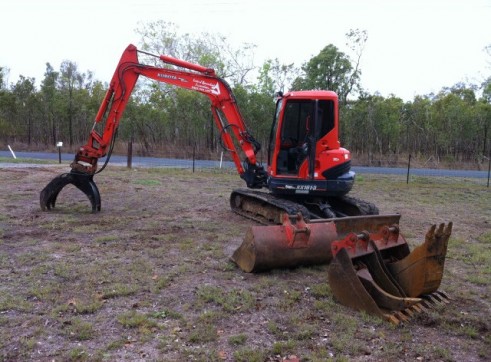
x,y
195,77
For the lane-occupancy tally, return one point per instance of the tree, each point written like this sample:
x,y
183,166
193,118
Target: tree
x,y
333,70
69,76
455,123
7,109
24,92
50,99
274,77
356,43
209,50
184,115
3,70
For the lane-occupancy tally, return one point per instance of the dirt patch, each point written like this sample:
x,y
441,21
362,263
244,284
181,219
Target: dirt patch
x,y
149,277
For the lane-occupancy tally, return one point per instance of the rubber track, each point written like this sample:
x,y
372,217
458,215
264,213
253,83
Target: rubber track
x,y
264,203
362,207
265,200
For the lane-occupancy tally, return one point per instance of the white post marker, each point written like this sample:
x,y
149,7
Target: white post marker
x,y
59,145
12,152
221,159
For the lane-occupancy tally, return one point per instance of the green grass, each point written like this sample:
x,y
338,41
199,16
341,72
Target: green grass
x,y
77,354
147,182
152,272
79,330
119,290
26,160
107,238
238,340
247,354
135,320
283,347
231,301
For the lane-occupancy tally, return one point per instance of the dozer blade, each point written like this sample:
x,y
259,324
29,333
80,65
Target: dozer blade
x,y
82,181
421,271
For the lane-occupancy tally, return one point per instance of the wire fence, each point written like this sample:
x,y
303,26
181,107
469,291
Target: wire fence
x,y
481,177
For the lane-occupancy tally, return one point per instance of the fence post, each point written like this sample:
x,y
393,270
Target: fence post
x,y
130,153
59,145
194,154
408,168
489,166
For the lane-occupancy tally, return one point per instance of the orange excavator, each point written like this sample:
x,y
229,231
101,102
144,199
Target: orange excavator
x,y
310,217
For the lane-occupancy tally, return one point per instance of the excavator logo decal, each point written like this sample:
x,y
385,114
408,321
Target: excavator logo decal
x,y
301,189
202,86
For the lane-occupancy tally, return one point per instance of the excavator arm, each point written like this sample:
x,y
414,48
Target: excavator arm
x,y
190,76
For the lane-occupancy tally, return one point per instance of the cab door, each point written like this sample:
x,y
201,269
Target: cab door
x,y
299,124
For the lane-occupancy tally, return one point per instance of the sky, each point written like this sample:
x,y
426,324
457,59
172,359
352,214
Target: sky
x,y
414,47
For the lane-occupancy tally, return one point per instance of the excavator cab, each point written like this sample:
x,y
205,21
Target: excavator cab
x,y
304,151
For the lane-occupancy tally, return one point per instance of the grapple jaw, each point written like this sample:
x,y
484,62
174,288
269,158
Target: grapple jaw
x,y
82,181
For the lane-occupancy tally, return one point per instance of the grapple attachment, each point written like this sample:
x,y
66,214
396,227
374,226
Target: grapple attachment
x,y
372,270
82,181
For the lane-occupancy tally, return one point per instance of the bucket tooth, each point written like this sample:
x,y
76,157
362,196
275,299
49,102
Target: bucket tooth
x,y
83,182
421,271
443,294
431,301
401,316
437,297
419,308
415,310
393,319
409,312
434,300
426,303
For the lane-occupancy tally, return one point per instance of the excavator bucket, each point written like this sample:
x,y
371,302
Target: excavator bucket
x,y
285,246
371,270
376,272
428,257
83,182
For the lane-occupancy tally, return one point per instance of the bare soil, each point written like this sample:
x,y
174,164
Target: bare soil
x,y
149,278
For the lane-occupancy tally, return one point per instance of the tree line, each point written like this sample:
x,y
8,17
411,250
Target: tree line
x,y
451,126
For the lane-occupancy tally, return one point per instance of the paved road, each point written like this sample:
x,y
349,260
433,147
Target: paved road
x,y
182,163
